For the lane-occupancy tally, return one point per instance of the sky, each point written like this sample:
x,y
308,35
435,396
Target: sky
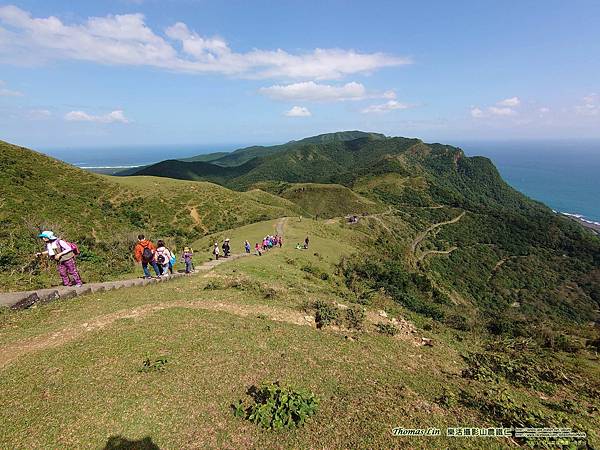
x,y
193,72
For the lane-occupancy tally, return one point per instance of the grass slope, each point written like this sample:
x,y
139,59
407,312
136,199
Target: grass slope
x,y
104,214
242,325
329,200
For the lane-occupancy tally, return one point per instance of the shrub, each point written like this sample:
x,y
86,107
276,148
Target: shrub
x,y
386,328
214,285
157,365
458,322
448,399
276,408
355,318
325,313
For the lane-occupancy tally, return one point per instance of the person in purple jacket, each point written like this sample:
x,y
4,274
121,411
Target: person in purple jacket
x,y
62,252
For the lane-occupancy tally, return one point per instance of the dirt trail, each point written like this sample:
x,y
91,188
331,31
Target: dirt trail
x,y
423,235
435,252
57,338
278,314
280,227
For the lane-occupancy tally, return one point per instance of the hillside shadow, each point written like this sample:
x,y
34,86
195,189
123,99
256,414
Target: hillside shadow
x,y
122,443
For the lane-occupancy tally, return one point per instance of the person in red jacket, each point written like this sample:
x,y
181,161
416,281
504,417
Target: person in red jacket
x,y
145,254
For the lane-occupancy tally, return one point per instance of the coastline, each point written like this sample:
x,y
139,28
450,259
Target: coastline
x,y
589,224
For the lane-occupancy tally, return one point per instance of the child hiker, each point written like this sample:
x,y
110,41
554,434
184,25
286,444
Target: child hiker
x,y
187,259
247,246
216,250
63,253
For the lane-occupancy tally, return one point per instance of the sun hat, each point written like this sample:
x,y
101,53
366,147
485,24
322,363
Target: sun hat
x,y
48,235
186,249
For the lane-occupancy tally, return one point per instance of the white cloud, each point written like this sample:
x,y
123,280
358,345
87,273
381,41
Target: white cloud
x,y
112,117
127,40
38,114
5,92
385,107
316,92
511,102
298,111
311,91
590,106
476,112
503,108
495,111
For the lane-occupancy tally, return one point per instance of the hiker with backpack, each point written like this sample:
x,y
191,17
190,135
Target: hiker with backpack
x,y
226,248
63,253
247,246
186,257
144,254
257,250
163,258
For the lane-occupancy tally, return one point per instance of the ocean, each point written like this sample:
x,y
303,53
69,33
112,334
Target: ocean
x,y
565,175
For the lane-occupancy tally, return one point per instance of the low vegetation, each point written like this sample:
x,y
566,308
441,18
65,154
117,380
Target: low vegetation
x,y
277,408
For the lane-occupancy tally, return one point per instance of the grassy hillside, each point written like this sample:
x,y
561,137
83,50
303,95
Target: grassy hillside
x,y
104,214
457,273
329,200
252,321
208,157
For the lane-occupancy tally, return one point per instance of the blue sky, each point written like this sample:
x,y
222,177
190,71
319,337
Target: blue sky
x,y
149,72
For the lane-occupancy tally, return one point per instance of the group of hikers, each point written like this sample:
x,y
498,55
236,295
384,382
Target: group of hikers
x,y
159,257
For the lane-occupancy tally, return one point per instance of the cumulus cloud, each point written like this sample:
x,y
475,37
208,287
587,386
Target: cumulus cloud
x,y
311,91
590,105
5,92
501,111
511,102
117,116
318,92
476,112
388,106
503,108
298,111
127,40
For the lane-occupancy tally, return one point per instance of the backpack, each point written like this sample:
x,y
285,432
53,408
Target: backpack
x,y
72,247
161,259
147,254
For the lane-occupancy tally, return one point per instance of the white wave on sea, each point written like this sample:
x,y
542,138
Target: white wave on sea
x,y
581,218
107,167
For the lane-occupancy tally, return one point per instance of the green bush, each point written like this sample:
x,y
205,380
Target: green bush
x,y
325,313
158,365
276,408
386,328
448,399
355,318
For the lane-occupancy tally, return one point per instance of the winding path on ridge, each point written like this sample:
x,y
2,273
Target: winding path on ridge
x,y
423,234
